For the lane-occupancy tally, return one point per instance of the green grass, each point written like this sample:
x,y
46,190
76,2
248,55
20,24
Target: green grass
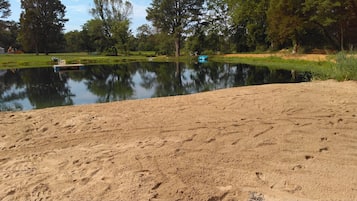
x,y
31,60
345,67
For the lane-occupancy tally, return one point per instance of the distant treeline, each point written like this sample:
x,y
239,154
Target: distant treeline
x,y
190,27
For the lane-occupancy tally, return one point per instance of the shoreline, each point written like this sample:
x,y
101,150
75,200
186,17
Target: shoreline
x,y
12,61
270,142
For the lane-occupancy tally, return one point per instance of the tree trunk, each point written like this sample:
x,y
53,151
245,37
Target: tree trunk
x,y
295,46
334,41
36,49
177,46
342,38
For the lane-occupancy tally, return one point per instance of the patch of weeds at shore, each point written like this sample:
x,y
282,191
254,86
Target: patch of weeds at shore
x,y
346,66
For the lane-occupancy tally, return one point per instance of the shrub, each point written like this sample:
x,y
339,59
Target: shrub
x,y
346,66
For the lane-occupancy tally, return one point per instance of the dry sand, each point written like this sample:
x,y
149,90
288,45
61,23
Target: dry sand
x,y
286,142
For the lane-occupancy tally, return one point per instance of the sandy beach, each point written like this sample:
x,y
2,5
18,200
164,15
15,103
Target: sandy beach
x,y
279,142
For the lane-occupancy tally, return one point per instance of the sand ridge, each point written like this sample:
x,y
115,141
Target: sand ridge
x,y
272,142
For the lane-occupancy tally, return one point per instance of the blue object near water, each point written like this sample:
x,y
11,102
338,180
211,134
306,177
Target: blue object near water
x,y
202,58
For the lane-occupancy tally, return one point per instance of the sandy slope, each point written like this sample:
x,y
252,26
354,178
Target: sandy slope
x,y
274,142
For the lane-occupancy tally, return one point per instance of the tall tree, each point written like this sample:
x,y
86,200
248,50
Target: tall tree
x,y
9,32
146,38
174,17
213,29
4,9
330,16
74,42
251,16
114,15
286,22
41,25
4,13
94,35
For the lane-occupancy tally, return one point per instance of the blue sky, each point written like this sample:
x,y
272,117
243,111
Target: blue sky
x,y
77,11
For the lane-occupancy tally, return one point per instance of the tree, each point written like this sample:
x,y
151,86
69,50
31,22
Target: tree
x,y
41,25
4,9
251,17
95,36
74,41
211,31
331,17
285,22
114,15
9,32
144,32
4,13
174,17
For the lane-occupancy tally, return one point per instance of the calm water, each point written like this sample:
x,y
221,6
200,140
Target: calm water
x,y
37,88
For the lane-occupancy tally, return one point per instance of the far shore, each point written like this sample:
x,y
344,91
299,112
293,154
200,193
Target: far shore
x,y
31,60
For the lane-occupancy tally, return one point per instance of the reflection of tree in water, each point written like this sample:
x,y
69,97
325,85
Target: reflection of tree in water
x,y
167,78
8,97
45,89
170,79
211,76
112,83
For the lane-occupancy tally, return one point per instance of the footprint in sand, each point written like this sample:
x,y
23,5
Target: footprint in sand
x,y
260,176
297,167
324,149
209,140
308,157
323,139
287,186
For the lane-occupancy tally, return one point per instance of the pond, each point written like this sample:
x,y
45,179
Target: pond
x,y
27,89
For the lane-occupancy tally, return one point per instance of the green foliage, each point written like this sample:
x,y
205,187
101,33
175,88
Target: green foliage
x,y
121,35
4,9
174,17
287,23
145,38
42,23
346,66
9,32
252,17
96,39
112,19
199,26
331,17
73,41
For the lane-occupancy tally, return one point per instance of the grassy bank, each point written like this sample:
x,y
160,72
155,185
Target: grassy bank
x,y
32,60
340,67
320,69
